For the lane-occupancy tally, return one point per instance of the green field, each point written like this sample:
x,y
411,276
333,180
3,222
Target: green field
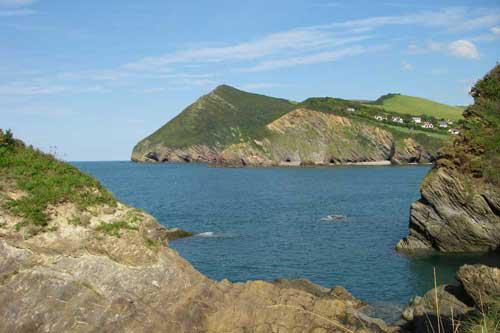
x,y
417,106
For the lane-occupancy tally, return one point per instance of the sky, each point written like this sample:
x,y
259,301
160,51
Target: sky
x,y
87,80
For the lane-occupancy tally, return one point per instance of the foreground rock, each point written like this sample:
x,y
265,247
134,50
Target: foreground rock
x,y
110,270
482,283
459,210
449,307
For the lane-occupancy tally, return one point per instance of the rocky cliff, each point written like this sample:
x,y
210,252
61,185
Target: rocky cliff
x,y
73,259
236,128
459,208
308,137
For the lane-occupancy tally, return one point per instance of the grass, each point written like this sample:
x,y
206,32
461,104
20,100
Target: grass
x,y
115,228
486,320
44,181
410,105
229,117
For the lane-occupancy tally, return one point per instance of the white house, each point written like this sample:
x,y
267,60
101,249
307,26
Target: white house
x,y
427,125
351,109
416,120
453,131
443,124
397,120
380,118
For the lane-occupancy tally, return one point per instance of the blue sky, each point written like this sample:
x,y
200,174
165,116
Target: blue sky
x,y
91,78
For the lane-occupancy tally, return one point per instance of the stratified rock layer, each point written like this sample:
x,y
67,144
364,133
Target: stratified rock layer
x,y
459,210
307,137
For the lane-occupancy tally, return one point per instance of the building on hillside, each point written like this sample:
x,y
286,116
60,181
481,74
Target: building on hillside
x,y
416,120
453,131
449,122
398,120
351,109
428,125
380,118
443,124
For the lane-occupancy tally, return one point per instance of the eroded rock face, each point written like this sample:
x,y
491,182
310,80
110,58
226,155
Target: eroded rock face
x,y
306,138
160,153
459,208
79,276
449,218
482,283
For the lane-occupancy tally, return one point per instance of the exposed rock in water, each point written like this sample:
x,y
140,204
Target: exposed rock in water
x,y
459,210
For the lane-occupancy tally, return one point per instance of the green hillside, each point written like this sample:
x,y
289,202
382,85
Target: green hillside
x,y
417,106
224,116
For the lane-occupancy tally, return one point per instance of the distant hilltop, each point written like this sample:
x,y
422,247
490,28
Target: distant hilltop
x,y
232,127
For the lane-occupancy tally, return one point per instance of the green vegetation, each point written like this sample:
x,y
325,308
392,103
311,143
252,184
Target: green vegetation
x,y
42,180
487,321
114,228
225,116
429,138
479,151
417,106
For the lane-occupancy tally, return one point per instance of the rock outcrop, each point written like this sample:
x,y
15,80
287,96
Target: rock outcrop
x,y
101,266
449,306
459,208
482,283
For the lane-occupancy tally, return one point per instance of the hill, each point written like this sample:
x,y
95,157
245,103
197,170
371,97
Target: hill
x,y
224,116
417,106
232,127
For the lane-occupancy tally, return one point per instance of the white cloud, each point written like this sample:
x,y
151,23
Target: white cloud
x,y
495,30
321,57
460,48
294,40
406,66
463,49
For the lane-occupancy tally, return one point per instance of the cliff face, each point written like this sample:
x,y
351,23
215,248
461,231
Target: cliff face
x,y
100,266
307,137
232,127
460,205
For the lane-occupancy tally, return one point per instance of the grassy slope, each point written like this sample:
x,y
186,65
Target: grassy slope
x,y
214,122
430,139
44,181
418,106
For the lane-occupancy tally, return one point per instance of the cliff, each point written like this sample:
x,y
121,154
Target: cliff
x,y
232,127
459,208
307,137
73,259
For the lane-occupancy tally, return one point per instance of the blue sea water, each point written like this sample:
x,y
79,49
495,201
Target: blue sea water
x,y
270,223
